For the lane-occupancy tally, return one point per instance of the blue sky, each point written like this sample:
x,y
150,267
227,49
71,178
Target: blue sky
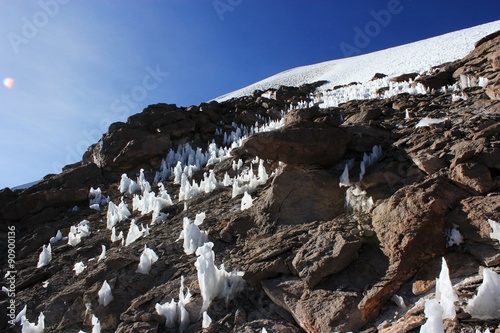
x,y
80,65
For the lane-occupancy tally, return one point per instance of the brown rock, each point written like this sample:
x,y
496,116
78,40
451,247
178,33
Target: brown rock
x,y
427,161
307,144
488,255
365,114
128,149
73,177
365,137
404,77
410,227
257,272
464,150
301,115
378,76
442,78
488,132
30,204
472,214
490,157
314,310
288,237
325,254
473,176
495,61
411,223
493,92
459,265
299,196
146,327
420,287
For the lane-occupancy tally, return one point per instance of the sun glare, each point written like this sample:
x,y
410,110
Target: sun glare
x,y
8,82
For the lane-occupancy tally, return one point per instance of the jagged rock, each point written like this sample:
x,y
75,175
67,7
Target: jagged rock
x,y
388,177
329,251
364,115
488,255
269,325
490,157
489,131
301,115
365,137
472,214
299,196
442,78
128,149
45,200
146,327
378,76
307,261
465,150
307,144
314,310
411,320
427,161
473,176
404,77
256,272
34,203
459,265
410,227
266,249
74,177
410,224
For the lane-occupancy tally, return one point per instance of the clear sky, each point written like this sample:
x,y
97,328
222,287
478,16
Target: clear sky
x,y
79,65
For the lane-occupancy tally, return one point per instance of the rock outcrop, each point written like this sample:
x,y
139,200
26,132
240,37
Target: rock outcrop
x,y
322,250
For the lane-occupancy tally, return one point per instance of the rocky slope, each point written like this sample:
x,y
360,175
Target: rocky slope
x,y
318,256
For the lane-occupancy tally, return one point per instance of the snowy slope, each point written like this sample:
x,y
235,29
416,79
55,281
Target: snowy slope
x,y
414,57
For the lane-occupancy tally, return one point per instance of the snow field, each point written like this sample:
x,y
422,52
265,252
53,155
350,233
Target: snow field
x,y
392,62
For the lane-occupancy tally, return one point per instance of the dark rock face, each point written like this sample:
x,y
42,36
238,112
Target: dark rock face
x,y
308,144
296,196
317,256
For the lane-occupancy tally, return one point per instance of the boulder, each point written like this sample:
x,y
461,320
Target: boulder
x,y
316,310
475,177
411,229
330,250
442,78
303,144
404,77
378,76
128,149
427,161
364,115
410,225
466,149
490,157
492,130
299,196
301,115
146,327
471,216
